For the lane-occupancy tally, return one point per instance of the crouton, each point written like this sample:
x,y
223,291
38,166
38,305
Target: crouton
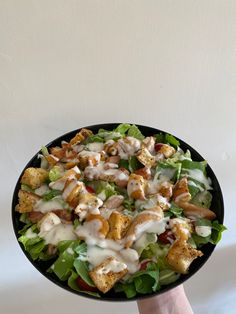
x,y
181,255
81,136
167,150
136,187
146,158
104,228
108,273
34,177
191,210
27,200
119,225
181,191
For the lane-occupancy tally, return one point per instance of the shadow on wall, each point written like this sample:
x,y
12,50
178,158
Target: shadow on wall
x,y
217,276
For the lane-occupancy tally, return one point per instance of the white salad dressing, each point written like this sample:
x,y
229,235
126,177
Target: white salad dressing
x,y
203,231
114,266
128,147
53,231
47,206
42,190
96,255
89,154
73,183
58,233
30,234
95,147
198,175
101,172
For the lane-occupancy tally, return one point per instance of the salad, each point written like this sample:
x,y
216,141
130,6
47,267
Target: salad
x,y
117,211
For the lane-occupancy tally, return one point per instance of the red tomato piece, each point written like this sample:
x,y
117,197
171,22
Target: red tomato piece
x,y
166,237
158,146
144,263
84,286
90,189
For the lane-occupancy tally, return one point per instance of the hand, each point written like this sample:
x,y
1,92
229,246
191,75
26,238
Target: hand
x,y
170,302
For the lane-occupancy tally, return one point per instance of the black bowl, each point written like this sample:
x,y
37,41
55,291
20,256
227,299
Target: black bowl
x,y
217,205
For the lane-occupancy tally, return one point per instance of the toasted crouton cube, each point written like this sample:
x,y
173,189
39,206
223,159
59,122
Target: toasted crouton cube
x,y
167,150
81,136
27,200
119,225
34,177
108,273
181,255
181,191
146,158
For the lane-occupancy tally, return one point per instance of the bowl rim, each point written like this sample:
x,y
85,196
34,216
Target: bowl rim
x,y
109,126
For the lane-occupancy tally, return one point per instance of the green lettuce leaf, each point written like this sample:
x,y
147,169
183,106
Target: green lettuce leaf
x,y
170,139
135,132
202,199
122,128
34,246
55,173
216,233
51,194
168,276
82,270
73,285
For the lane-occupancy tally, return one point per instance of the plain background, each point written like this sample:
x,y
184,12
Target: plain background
x,y
68,64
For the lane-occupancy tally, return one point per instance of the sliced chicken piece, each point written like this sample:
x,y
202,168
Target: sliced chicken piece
x,y
104,225
146,221
114,201
166,190
181,191
149,144
144,172
136,187
191,210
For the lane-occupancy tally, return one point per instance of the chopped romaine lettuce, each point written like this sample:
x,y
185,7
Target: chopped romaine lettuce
x,y
44,151
202,199
168,170
51,194
122,128
73,285
168,276
82,270
55,173
33,244
170,139
27,188
217,230
135,132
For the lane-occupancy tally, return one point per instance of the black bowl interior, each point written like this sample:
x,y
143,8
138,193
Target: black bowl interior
x,y
217,205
